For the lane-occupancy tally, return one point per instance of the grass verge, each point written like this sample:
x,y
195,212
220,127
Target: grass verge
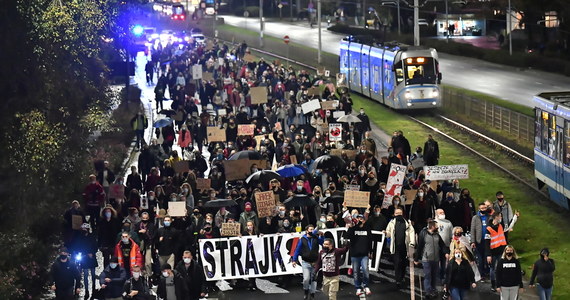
x,y
542,224
503,103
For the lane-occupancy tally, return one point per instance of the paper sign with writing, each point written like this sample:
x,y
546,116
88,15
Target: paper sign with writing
x,y
394,184
216,134
330,105
177,208
116,191
181,166
230,229
310,106
222,112
446,172
207,76
258,95
338,114
246,129
203,183
197,72
352,187
327,73
265,203
356,198
236,169
340,79
278,126
314,91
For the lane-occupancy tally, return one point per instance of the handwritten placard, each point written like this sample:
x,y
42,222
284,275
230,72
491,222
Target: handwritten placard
x,y
246,129
177,208
216,134
248,58
236,169
207,76
265,203
197,72
448,172
181,166
356,198
203,183
258,95
338,114
313,91
352,187
230,229
330,105
310,106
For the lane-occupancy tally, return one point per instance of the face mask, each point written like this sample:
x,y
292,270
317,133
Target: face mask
x,y
173,199
125,240
441,217
354,216
421,194
108,214
136,275
483,212
150,198
396,203
458,234
144,221
509,254
377,213
187,260
185,190
449,199
165,274
362,172
361,112
286,224
166,223
457,255
135,216
299,187
62,256
330,224
250,228
113,265
327,194
326,249
220,156
248,209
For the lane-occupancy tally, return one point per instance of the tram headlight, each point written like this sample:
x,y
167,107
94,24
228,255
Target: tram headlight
x,y
434,103
434,93
408,95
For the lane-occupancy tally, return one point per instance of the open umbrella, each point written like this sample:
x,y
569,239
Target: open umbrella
x,y
300,200
162,123
348,119
328,162
263,176
246,154
335,199
220,203
291,170
167,112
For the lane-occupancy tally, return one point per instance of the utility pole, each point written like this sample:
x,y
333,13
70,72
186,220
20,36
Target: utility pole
x,y
446,22
319,59
398,4
416,24
509,29
261,23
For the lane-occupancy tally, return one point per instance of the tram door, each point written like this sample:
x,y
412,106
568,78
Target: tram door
x,y
559,153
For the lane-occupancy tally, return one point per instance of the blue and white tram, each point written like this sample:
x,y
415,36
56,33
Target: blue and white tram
x,y
552,145
397,75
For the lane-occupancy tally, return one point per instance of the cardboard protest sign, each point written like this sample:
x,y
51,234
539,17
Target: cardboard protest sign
x,y
410,196
216,134
222,112
265,203
338,152
258,95
207,76
338,114
310,106
330,105
449,172
177,208
209,45
356,198
248,58
181,166
314,91
335,132
230,229
261,164
340,80
203,183
278,126
236,169
245,129
394,184
433,185
321,71
352,187
197,72
116,191
76,222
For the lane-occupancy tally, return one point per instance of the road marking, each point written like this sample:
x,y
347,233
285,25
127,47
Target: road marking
x,y
538,82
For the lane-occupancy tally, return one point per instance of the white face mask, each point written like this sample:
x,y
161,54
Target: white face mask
x,y
421,194
250,228
165,274
323,220
187,260
150,198
136,275
441,217
457,255
327,194
125,240
185,190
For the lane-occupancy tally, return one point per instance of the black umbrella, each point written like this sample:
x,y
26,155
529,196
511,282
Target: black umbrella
x,y
336,199
220,203
309,130
328,162
168,112
300,200
263,176
246,154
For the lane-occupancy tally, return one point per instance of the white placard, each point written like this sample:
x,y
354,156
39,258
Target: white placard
x,y
197,72
311,106
337,114
447,172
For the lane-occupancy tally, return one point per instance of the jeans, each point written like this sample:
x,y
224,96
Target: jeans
x,y
544,293
140,138
431,271
457,294
492,268
360,271
309,282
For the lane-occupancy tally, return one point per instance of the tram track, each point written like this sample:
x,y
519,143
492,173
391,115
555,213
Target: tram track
x,y
514,154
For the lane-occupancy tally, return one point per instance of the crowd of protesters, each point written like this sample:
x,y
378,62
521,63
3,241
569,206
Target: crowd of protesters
x,y
142,246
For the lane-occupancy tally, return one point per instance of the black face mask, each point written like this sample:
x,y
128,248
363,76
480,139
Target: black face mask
x,y
62,256
330,224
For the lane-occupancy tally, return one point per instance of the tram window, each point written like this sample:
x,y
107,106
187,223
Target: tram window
x,y
552,136
566,143
537,129
544,131
419,70
399,72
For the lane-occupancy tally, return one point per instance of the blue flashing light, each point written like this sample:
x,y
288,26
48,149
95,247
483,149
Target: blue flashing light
x,y
137,30
78,257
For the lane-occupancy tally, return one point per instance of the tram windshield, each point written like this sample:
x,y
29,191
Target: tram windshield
x,y
419,70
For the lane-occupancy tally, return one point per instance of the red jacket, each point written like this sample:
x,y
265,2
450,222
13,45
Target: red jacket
x,y
135,256
94,194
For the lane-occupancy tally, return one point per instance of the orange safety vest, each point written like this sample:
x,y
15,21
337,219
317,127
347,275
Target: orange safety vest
x,y
497,237
135,255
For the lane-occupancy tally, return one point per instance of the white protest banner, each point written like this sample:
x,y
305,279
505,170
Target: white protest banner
x,y
197,72
335,132
394,184
446,172
310,106
268,255
265,203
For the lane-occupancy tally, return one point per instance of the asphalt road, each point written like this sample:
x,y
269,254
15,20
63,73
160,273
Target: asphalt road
x,y
504,82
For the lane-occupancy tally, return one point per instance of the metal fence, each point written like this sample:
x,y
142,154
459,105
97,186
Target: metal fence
x,y
517,124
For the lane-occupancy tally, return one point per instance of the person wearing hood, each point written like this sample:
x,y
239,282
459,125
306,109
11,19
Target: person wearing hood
x,y
361,239
65,276
128,253
329,261
376,219
543,273
248,215
112,280
403,236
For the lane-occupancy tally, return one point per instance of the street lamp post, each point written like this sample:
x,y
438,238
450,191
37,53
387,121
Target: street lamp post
x,y
416,24
447,21
510,29
261,23
319,59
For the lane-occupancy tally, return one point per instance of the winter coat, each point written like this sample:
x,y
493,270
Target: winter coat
x,y
189,283
114,288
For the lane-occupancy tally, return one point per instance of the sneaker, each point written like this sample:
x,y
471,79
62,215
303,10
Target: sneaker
x,y
367,291
359,292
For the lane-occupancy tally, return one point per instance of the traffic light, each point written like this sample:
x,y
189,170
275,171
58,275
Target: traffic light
x,y
137,30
